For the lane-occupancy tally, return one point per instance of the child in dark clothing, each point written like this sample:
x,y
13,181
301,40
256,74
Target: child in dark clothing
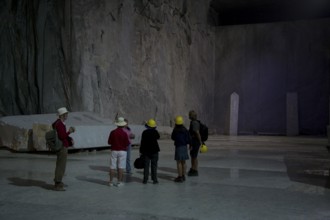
x,y
149,148
181,138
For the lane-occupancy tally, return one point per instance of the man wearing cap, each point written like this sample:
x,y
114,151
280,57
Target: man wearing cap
x,y
119,141
67,141
196,142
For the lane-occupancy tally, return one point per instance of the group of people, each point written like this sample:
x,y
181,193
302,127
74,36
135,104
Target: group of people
x,y
183,138
120,141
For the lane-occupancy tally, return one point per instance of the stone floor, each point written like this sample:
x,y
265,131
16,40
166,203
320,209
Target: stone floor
x,y
241,177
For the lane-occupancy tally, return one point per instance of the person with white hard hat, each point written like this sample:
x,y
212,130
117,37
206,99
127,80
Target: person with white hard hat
x,y
67,141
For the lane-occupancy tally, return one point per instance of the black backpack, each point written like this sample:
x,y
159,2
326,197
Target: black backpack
x,y
203,131
139,162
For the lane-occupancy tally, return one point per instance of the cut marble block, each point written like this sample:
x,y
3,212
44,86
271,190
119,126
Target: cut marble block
x,y
38,134
234,108
27,132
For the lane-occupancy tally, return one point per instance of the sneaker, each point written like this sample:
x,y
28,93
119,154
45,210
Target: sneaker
x,y
192,172
155,182
178,179
119,184
62,184
111,184
58,187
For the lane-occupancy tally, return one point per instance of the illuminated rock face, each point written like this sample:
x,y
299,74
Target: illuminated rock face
x,y
141,59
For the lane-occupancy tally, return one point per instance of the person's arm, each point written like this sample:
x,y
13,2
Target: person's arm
x,y
110,139
198,135
157,135
173,135
196,131
141,150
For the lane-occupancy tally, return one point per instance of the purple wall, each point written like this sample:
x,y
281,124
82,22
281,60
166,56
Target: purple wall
x,y
262,63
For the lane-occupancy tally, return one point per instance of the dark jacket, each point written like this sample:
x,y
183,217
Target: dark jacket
x,y
149,144
180,136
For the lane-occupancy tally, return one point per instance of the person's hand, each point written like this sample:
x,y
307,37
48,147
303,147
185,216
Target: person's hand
x,y
72,129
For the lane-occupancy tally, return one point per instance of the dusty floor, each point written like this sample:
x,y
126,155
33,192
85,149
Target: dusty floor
x,y
239,178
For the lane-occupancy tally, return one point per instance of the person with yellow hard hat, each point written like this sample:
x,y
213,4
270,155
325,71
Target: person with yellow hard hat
x,y
149,148
180,136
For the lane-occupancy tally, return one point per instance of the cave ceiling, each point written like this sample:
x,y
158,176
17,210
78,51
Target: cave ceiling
x,y
236,12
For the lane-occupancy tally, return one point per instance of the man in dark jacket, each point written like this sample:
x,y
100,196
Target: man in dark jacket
x,y
196,142
149,148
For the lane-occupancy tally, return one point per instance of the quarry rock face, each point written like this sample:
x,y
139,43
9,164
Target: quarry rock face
x,y
158,59
141,59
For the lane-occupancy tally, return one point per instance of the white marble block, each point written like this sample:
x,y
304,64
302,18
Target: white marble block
x,y
234,107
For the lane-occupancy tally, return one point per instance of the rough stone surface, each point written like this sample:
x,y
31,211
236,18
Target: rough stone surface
x,y
139,58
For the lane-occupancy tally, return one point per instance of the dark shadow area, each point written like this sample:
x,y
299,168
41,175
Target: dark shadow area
x,y
99,168
105,181
93,180
131,178
309,168
236,12
28,182
167,176
162,176
168,169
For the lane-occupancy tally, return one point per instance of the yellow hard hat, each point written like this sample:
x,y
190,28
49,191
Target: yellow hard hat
x,y
151,123
179,120
203,148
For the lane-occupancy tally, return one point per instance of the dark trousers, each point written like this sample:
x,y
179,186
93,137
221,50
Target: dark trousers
x,y
61,157
153,158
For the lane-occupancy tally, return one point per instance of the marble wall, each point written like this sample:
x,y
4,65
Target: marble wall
x,y
264,62
139,58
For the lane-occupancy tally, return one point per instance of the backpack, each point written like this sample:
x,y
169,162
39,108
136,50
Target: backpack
x,y
139,162
52,141
203,131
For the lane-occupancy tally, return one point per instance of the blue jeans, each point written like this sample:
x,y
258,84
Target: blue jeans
x,y
128,159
